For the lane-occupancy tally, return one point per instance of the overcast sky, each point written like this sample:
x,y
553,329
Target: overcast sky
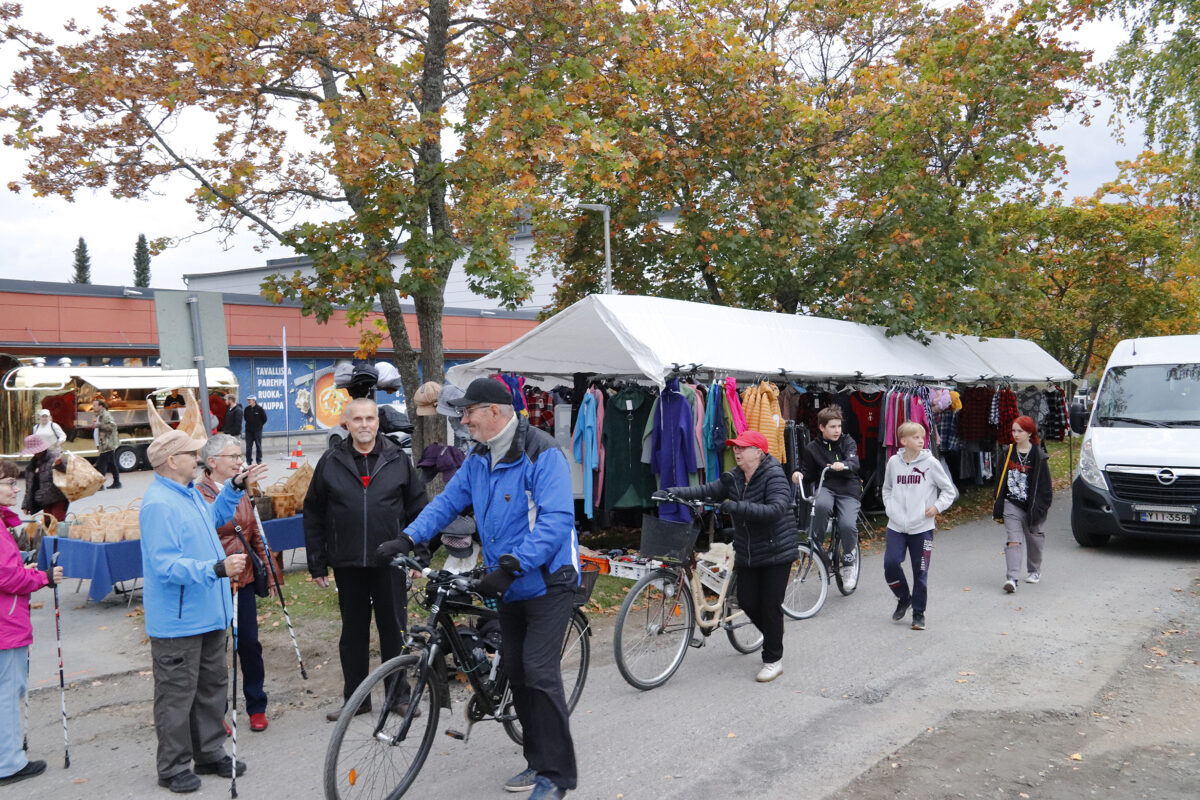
x,y
37,236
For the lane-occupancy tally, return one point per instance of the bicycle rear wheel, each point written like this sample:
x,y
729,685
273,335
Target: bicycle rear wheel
x,y
576,656
375,751
743,634
808,585
847,576
654,627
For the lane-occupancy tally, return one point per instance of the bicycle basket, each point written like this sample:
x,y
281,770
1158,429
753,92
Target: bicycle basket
x,y
588,574
667,541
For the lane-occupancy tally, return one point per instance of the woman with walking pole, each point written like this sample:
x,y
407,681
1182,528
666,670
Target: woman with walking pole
x,y
221,459
17,582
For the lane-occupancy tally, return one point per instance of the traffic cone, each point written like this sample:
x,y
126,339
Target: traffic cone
x,y
296,454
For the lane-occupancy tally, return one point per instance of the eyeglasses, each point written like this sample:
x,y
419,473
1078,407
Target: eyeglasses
x,y
237,456
11,483
469,410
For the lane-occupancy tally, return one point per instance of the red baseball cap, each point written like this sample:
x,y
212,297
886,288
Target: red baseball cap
x,y
750,439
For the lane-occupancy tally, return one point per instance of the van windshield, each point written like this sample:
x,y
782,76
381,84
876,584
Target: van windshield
x,y
1150,395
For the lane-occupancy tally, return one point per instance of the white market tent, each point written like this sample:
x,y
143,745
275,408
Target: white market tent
x,y
648,337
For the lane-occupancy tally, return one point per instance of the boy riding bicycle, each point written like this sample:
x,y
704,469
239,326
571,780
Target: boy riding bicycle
x,y
842,492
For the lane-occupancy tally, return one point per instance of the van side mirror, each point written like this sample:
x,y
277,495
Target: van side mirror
x,y
1079,420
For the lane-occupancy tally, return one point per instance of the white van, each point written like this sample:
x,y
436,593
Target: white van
x,y
1139,472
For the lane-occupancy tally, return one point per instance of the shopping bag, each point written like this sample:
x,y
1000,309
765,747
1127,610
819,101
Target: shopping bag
x,y
80,479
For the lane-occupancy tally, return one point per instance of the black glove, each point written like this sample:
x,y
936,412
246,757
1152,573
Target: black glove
x,y
661,496
50,578
496,582
728,506
400,546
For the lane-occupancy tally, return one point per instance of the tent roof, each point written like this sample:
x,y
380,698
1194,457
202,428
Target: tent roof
x,y
647,336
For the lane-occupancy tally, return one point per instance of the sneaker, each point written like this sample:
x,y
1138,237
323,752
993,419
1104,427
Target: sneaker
x,y
228,730
848,559
902,607
258,722
849,578
336,714
918,622
182,783
1034,577
31,769
521,782
544,789
770,671
224,768
1010,586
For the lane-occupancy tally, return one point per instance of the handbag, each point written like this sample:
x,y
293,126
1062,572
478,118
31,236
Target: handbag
x,y
261,586
1000,483
80,479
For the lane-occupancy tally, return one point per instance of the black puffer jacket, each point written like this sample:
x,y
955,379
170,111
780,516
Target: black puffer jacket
x,y
764,528
345,521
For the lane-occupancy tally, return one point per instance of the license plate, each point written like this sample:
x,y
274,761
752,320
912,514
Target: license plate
x,y
1172,517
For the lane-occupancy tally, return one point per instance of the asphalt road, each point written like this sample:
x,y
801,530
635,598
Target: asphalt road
x,y
855,688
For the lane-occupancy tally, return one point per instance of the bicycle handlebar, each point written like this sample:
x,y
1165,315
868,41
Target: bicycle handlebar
x,y
696,504
820,483
464,582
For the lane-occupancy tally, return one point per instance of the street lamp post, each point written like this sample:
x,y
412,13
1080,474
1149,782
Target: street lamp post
x,y
603,207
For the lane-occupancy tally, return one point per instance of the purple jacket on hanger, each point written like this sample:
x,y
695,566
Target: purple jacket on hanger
x,y
673,447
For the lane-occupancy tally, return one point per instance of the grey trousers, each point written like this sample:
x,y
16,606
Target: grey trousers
x,y
1023,542
847,507
190,690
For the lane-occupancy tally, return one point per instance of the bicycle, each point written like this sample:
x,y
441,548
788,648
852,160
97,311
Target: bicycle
x,y
808,585
657,620
386,729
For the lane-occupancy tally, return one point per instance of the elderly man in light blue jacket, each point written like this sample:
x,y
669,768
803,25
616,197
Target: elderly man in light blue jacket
x,y
188,606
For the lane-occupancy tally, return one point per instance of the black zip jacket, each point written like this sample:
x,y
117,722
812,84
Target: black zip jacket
x,y
1041,487
764,529
820,453
344,521
255,418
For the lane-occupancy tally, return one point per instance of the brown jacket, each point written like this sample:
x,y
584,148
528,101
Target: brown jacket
x,y
243,516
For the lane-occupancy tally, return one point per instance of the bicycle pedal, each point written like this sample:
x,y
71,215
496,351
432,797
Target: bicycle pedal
x,y
698,642
453,734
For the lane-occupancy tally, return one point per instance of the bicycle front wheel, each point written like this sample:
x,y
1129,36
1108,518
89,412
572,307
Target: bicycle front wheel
x,y
377,749
743,634
847,576
654,627
574,660
808,585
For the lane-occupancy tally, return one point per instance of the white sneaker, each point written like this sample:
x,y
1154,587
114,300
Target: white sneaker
x,y
849,580
770,672
1010,586
1034,577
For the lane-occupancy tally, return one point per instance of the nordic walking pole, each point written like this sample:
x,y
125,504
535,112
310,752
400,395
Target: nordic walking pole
x,y
62,684
279,590
233,778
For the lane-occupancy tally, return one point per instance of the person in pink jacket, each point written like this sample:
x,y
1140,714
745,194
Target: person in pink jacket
x,y
17,582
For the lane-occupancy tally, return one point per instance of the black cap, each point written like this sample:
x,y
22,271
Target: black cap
x,y
484,390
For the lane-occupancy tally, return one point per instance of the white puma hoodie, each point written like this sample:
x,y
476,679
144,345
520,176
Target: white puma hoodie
x,y
911,487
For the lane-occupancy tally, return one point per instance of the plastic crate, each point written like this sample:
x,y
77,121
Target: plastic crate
x,y
668,541
630,570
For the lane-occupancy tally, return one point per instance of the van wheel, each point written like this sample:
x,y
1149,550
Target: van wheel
x,y
127,459
1086,539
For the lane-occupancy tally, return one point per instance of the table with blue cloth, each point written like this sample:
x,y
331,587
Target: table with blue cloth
x,y
107,564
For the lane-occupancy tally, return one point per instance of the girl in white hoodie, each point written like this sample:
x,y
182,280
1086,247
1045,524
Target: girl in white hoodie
x,y
915,490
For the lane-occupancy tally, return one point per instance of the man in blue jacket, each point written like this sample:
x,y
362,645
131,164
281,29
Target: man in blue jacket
x,y
519,484
188,606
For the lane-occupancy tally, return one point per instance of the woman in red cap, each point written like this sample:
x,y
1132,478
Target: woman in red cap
x,y
757,495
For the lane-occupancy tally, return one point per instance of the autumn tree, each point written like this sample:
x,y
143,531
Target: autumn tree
x,y
82,264
141,262
328,112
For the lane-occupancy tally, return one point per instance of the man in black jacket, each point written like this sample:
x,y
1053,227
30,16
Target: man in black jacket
x,y
363,492
233,417
255,418
842,492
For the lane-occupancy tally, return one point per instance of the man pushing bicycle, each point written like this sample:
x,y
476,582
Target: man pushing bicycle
x,y
520,486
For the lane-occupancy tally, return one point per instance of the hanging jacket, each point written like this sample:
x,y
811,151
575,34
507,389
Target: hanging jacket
x,y
628,482
764,528
761,404
585,448
673,447
821,452
345,519
1041,487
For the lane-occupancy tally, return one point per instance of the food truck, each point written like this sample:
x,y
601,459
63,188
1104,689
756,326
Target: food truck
x,y
68,392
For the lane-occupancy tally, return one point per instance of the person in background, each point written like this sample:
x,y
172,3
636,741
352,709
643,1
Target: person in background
x,y
842,492
107,442
17,582
174,400
1023,500
188,606
255,418
40,492
50,431
232,425
221,459
364,490
765,538
915,490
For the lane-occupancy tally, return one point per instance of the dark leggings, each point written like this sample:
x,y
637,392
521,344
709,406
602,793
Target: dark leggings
x,y
760,593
